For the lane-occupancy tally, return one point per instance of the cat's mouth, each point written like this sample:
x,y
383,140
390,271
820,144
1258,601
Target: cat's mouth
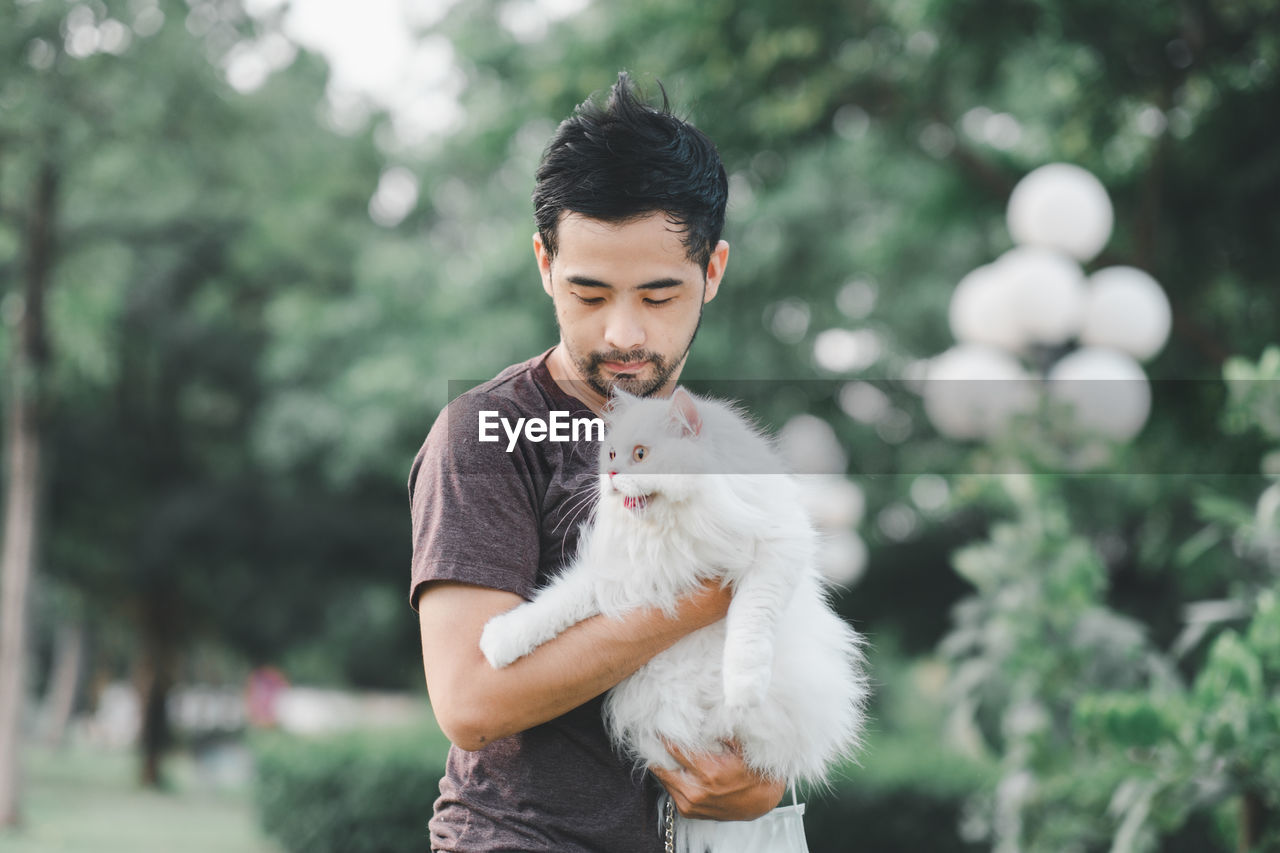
x,y
636,502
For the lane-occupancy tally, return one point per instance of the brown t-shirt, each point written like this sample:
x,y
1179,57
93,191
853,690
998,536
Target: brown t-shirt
x,y
509,520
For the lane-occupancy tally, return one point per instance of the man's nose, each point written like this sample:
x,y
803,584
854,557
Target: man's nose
x,y
623,330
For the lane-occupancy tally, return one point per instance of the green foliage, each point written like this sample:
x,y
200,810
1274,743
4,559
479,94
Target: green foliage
x,y
909,787
1127,720
1255,394
1123,742
363,793
373,791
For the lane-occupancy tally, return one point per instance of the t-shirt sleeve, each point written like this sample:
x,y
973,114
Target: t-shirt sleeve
x,y
474,505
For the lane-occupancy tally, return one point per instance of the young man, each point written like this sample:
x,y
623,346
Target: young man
x,y
629,205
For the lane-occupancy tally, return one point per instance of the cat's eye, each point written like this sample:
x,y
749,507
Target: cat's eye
x,y
639,453
612,454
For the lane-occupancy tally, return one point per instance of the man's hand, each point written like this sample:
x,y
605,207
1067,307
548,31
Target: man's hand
x,y
718,786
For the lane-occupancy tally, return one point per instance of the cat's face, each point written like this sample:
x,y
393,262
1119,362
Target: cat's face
x,y
652,454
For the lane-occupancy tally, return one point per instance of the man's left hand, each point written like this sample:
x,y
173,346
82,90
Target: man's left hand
x,y
718,786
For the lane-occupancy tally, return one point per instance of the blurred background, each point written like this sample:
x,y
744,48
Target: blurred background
x,y
245,245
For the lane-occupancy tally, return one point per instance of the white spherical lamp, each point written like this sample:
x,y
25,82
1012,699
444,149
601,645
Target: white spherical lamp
x,y
983,310
1048,293
842,557
810,446
833,502
973,392
1126,309
1105,389
1062,207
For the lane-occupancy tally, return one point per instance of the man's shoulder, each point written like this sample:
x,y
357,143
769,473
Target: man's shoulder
x,y
455,437
515,388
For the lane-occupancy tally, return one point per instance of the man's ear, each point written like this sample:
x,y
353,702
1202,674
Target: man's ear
x,y
684,414
715,270
543,258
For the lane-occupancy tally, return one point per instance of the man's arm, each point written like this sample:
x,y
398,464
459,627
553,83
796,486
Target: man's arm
x,y
476,704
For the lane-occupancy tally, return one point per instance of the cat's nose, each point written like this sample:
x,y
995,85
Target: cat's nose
x,y
611,474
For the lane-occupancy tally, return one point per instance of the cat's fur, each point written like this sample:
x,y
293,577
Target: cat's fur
x,y
782,674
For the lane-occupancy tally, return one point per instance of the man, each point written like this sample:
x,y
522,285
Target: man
x,y
629,205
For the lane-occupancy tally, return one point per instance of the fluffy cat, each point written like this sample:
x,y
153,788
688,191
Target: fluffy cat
x,y
689,491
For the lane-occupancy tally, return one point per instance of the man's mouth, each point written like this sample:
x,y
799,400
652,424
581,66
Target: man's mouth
x,y
626,366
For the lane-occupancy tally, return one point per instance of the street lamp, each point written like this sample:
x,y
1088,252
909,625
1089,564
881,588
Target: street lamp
x,y
973,391
1061,207
1017,319
1126,310
1105,388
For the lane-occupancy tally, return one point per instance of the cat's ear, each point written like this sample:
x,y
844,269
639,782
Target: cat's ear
x,y
618,403
684,414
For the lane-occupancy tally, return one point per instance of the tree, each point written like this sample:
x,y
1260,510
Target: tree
x,y
165,255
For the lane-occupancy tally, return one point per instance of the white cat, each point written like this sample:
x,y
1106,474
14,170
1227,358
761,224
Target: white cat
x,y
690,491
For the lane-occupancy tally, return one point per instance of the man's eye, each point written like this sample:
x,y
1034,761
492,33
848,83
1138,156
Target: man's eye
x,y
659,301
590,300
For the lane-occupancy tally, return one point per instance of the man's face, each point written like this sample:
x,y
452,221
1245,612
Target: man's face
x,y
628,300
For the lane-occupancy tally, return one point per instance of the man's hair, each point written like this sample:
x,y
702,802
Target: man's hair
x,y
627,159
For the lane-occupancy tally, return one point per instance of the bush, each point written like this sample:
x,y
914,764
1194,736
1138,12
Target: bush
x,y
365,793
373,792
908,794
877,820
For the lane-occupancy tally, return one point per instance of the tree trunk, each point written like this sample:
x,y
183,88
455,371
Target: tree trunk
x,y
22,455
64,681
1253,821
154,679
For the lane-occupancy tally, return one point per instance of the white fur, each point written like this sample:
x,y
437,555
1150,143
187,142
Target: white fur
x,y
782,674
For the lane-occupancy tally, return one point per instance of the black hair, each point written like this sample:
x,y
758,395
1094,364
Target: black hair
x,y
627,159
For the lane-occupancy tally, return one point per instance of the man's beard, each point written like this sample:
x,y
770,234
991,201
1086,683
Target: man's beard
x,y
590,368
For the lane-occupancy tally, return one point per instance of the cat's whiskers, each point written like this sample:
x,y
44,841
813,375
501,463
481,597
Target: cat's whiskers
x,y
579,505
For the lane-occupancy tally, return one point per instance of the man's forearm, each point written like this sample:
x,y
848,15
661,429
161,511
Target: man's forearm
x,y
477,704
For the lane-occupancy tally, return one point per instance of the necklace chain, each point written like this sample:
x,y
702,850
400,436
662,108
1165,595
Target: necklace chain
x,y
670,826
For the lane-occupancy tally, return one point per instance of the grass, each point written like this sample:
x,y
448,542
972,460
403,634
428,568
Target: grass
x,y
82,800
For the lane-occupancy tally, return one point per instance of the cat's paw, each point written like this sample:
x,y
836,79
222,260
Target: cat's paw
x,y
502,642
745,690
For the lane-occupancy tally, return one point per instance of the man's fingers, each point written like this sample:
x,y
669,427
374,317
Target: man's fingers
x,y
703,766
733,746
674,781
678,754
